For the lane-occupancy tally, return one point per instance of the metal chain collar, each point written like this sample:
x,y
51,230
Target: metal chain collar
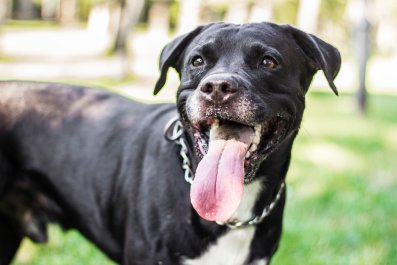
x,y
259,218
173,131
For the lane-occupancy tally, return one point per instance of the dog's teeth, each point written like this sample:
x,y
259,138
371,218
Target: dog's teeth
x,y
215,124
212,131
248,154
256,139
258,128
257,136
253,148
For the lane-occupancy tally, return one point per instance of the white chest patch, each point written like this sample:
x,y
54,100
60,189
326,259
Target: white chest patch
x,y
251,193
233,247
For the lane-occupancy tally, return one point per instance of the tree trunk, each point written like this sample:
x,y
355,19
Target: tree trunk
x,y
49,9
130,12
237,12
308,12
4,11
68,12
159,19
25,10
261,10
189,12
362,46
357,12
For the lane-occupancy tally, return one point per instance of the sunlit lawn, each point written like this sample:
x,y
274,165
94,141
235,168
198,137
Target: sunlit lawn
x,y
342,206
342,201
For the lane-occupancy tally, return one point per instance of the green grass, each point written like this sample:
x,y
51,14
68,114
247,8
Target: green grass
x,y
341,207
342,185
15,25
63,249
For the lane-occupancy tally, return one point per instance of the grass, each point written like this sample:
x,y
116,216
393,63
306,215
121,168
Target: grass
x,y
342,206
64,248
15,25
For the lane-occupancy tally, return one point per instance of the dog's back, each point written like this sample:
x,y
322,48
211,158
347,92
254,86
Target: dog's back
x,y
65,154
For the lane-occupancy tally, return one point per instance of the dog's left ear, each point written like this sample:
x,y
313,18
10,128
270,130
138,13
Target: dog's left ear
x,y
323,55
171,54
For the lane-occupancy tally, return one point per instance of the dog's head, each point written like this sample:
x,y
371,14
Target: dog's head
x,y
242,94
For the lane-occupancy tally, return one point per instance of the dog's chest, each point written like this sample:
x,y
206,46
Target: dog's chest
x,y
233,247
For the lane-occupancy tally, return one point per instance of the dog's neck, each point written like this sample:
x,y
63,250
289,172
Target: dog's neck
x,y
252,192
264,192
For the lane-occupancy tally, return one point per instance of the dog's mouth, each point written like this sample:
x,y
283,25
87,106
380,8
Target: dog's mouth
x,y
264,136
230,153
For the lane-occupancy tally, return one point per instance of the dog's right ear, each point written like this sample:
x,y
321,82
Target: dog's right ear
x,y
323,55
171,54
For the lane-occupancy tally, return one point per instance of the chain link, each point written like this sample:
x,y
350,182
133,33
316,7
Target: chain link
x,y
175,125
259,218
186,162
174,132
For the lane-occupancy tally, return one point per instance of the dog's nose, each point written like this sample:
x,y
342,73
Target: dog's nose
x,y
218,91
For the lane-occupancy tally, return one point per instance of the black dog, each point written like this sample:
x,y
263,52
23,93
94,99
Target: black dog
x,y
100,163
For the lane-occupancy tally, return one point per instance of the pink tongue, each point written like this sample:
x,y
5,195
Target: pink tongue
x,y
219,181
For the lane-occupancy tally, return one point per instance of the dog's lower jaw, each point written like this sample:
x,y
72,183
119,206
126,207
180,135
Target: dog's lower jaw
x,y
251,170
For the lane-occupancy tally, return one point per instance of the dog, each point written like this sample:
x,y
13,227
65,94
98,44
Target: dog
x,y
199,182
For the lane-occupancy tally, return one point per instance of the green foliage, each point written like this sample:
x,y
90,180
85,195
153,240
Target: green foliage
x,y
174,14
333,10
285,11
341,206
85,7
214,11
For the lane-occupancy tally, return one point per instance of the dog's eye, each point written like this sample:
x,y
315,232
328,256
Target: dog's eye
x,y
197,61
269,62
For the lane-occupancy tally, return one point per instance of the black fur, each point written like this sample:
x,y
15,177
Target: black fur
x,y
99,163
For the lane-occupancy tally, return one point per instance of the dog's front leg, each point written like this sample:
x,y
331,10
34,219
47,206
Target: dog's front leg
x,y
10,239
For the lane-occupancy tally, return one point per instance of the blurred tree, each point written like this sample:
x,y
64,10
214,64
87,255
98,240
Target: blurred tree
x,y
261,10
362,45
3,11
130,12
189,12
49,9
358,11
24,9
284,11
308,12
237,11
68,12
159,18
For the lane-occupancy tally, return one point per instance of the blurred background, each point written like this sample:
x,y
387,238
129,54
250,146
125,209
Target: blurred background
x,y
342,206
